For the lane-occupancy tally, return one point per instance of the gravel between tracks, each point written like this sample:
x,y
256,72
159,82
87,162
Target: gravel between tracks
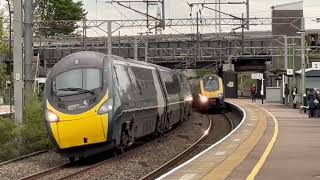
x,y
31,165
133,164
138,162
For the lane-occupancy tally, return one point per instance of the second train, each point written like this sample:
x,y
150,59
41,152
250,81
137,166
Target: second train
x,y
209,93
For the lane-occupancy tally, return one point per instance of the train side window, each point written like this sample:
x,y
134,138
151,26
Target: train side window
x,y
123,81
116,75
144,80
135,81
171,82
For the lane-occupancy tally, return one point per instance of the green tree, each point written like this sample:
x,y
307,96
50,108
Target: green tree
x,y
64,11
3,51
3,44
3,77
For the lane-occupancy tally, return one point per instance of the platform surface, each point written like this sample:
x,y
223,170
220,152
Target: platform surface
x,y
258,151
296,152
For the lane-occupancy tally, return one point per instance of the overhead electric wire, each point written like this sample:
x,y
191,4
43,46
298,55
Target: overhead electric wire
x,y
120,11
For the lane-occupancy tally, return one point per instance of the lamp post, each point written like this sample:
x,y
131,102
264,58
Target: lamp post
x,y
10,57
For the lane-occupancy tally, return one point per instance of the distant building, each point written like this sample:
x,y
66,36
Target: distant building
x,y
286,21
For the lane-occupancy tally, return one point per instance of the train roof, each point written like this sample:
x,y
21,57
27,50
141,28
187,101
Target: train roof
x,y
94,58
119,58
87,58
211,75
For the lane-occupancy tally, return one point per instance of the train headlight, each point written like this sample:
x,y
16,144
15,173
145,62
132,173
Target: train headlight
x,y
52,117
188,98
220,95
105,107
203,99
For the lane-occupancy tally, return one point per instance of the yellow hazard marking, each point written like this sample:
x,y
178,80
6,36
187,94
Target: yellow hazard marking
x,y
225,168
266,153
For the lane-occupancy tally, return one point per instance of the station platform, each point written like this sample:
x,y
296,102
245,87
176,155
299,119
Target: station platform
x,y
272,142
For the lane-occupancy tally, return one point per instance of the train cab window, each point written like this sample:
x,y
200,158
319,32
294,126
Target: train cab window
x,y
77,81
211,83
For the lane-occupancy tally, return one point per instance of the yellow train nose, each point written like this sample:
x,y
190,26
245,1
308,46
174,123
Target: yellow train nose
x,y
89,130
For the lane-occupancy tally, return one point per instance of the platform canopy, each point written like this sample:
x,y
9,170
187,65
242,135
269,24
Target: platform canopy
x,y
310,72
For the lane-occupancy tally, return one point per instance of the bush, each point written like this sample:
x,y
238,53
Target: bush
x,y
8,139
33,134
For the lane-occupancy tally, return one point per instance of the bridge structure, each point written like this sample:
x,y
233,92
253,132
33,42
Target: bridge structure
x,y
249,52
180,51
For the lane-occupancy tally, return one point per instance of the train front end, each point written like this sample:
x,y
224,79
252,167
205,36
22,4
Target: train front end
x,y
78,103
211,92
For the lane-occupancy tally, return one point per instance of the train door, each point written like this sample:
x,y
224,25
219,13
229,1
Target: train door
x,y
161,98
172,86
162,121
146,99
186,96
126,124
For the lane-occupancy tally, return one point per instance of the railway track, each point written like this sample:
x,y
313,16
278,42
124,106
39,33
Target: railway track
x,y
71,171
23,157
68,169
78,170
184,155
46,172
54,170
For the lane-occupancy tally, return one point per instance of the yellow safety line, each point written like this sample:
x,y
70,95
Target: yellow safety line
x,y
225,168
266,153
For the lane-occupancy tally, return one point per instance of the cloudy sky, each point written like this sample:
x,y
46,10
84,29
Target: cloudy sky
x,y
99,9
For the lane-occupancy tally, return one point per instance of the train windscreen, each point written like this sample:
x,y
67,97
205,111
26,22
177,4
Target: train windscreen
x,y
211,83
77,81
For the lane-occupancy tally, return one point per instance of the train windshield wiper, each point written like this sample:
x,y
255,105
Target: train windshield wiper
x,y
80,90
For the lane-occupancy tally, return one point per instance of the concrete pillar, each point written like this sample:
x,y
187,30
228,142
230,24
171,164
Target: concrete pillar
x,y
28,48
17,61
135,49
109,37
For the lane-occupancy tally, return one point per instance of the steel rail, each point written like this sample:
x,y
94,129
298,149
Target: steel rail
x,y
162,169
45,172
72,175
230,121
23,157
155,173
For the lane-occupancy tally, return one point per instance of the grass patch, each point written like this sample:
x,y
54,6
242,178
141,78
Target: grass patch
x,y
33,134
8,139
29,137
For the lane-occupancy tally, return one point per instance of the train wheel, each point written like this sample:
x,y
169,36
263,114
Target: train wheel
x,y
182,116
72,159
186,116
168,125
160,126
125,140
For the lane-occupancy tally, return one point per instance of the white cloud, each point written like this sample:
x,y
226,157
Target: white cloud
x,y
180,9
